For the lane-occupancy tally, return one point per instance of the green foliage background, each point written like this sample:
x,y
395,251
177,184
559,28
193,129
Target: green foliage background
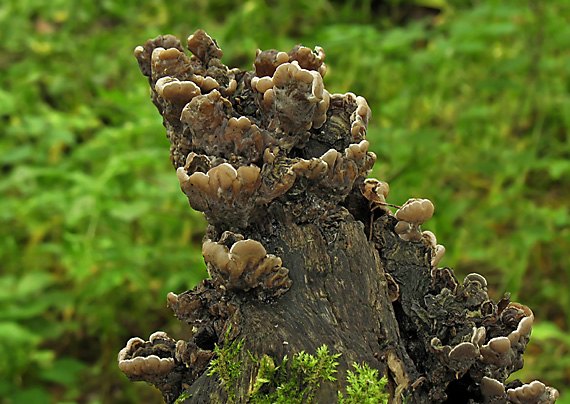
x,y
471,108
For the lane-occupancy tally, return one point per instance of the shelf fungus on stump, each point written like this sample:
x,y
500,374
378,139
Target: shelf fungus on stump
x,y
167,364
246,266
303,250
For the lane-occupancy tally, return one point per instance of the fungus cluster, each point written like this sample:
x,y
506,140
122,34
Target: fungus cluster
x,y
147,360
245,266
468,338
255,132
163,362
246,142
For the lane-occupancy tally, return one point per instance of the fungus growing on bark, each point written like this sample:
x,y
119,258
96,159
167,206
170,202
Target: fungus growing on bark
x,y
436,251
206,308
166,62
203,46
245,266
308,59
298,98
278,166
493,391
163,362
179,92
144,53
411,215
267,61
532,393
148,361
359,119
223,193
344,168
375,191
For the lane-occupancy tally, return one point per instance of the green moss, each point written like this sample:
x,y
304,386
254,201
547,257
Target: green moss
x,y
297,380
226,364
364,387
182,397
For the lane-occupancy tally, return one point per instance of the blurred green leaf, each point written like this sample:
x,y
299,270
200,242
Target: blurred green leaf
x,y
545,330
65,371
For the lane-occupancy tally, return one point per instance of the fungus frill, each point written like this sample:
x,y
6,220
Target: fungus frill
x,y
245,266
147,360
162,362
411,215
299,239
533,393
231,117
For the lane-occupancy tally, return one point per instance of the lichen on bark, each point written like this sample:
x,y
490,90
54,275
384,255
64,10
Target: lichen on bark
x,y
304,251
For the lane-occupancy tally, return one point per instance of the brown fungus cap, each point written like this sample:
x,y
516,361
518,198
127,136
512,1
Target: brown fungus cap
x,y
167,62
464,351
308,59
143,53
223,192
374,190
492,389
475,277
312,169
437,255
267,61
415,211
299,98
245,266
149,367
147,360
359,119
411,215
179,92
204,115
203,46
533,393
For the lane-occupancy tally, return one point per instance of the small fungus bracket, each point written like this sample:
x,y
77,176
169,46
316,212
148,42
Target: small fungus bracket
x,y
163,362
246,266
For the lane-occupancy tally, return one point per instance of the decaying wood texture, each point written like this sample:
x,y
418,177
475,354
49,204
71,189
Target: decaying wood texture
x,y
303,250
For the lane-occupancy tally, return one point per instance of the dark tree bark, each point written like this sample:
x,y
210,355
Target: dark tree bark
x,y
304,251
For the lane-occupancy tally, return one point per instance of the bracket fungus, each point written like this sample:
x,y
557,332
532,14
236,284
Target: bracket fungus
x,y
532,393
302,247
147,360
410,216
245,266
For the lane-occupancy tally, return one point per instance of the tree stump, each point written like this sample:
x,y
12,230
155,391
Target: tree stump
x,y
303,250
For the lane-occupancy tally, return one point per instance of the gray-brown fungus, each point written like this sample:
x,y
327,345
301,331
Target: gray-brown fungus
x,y
203,46
410,216
532,393
270,157
245,266
493,391
151,361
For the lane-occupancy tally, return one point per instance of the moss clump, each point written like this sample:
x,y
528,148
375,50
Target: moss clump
x,y
226,364
364,387
182,397
296,380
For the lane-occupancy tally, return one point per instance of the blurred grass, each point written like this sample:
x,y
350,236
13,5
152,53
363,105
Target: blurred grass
x,y
471,108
